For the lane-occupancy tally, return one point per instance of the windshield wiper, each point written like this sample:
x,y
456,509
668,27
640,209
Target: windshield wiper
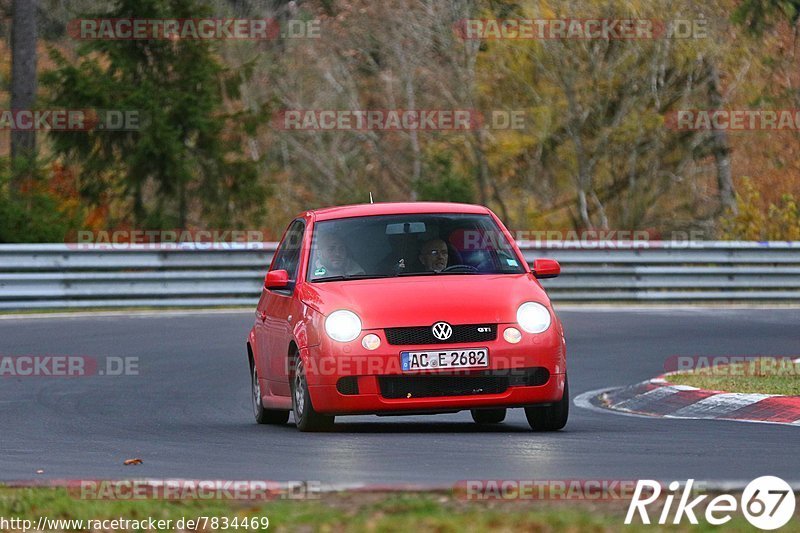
x,y
345,277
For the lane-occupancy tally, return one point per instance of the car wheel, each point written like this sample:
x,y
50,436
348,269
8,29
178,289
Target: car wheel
x,y
264,416
550,418
305,417
488,416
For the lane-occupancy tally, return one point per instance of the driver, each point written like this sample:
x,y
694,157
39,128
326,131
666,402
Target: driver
x,y
333,259
433,255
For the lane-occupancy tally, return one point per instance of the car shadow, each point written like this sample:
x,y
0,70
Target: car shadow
x,y
392,426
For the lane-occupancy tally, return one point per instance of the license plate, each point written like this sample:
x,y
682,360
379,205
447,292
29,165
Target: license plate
x,y
434,360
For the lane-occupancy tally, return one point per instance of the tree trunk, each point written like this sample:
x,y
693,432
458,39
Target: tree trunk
x,y
720,147
481,168
23,83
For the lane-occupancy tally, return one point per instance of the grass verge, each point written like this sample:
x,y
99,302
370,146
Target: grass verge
x,y
766,375
367,512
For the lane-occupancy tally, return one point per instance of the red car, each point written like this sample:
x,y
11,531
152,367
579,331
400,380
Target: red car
x,y
405,308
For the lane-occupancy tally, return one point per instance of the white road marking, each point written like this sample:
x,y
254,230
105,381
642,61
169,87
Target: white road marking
x,y
719,404
635,403
572,308
661,307
130,313
583,401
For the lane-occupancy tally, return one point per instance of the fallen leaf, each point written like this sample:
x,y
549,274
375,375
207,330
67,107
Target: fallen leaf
x,y
129,462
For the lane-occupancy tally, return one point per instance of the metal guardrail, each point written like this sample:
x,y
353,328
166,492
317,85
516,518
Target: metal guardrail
x,y
47,276
665,271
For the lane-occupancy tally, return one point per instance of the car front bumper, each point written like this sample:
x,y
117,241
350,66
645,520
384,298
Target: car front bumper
x,y
348,379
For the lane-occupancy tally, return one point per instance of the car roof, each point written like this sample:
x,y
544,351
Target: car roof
x,y
395,208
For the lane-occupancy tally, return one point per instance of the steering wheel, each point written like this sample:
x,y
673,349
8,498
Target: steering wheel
x,y
460,268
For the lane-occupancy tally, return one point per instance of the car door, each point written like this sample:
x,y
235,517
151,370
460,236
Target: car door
x,y
275,311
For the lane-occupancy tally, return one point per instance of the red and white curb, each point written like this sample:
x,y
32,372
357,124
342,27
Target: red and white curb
x,y
658,397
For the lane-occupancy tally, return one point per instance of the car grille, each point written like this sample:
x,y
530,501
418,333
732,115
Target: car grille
x,y
486,382
424,334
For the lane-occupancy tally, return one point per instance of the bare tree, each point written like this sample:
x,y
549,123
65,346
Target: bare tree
x,y
720,147
23,77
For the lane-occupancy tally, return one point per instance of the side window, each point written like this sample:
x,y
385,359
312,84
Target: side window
x,y
288,255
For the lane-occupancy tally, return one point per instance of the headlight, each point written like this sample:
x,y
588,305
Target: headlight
x,y
533,317
343,326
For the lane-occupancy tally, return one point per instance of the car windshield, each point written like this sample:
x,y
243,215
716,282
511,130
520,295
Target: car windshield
x,y
410,245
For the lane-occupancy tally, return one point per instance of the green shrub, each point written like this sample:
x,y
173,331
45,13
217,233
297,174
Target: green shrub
x,y
778,222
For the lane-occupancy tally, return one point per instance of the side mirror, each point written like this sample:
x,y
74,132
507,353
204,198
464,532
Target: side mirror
x,y
546,268
276,279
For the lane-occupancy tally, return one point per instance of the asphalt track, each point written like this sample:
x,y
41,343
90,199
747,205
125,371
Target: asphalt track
x,y
187,414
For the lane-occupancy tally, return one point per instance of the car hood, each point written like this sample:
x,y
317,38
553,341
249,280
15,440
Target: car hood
x,y
421,301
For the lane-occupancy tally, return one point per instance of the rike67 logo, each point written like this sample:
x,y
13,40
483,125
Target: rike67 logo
x,y
767,502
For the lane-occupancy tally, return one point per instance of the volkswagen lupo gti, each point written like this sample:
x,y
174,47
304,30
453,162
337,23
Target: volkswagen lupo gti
x,y
405,308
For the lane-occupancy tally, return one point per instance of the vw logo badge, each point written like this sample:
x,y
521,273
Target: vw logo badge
x,y
442,331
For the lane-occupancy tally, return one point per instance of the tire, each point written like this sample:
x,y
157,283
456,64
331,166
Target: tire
x,y
264,416
305,417
550,418
488,416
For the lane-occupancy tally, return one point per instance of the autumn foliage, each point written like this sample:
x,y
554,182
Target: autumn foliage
x,y
593,150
